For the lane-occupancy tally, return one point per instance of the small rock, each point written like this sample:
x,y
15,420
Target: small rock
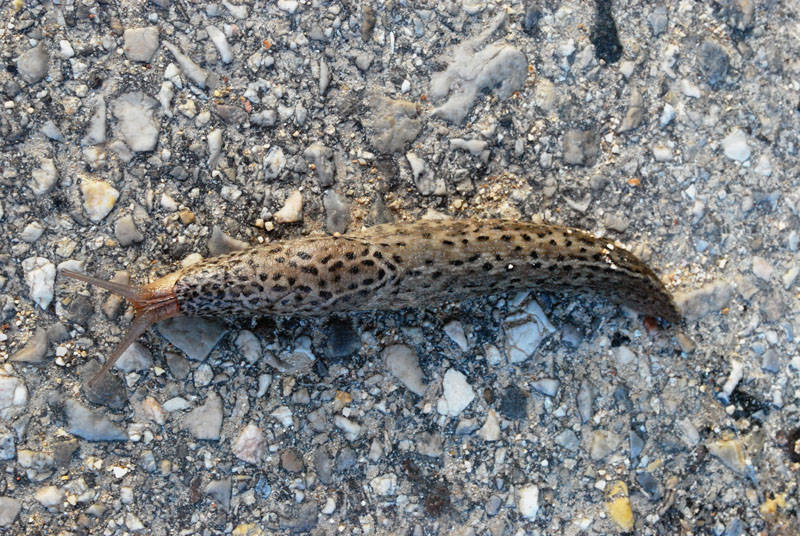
x,y
384,484
585,400
51,130
324,76
12,392
126,232
99,198
567,439
274,162
698,303
662,152
350,428
790,276
603,443
658,20
455,330
392,125
734,145
136,123
730,453
205,422
40,276
9,509
457,394
195,336
251,445
604,36
221,243
337,212
618,506
762,268
525,331
580,147
341,340
49,496
249,346
32,232
90,425
714,63
490,431
292,210
528,501
44,177
547,386
32,65
135,358
403,363
139,44
514,404
217,37
34,350
197,74
770,361
650,485
220,491
323,465
320,157
634,115
214,140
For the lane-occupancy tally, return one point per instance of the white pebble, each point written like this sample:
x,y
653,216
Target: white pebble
x,y
667,115
762,268
283,415
99,198
249,346
457,394
292,210
689,89
168,204
49,496
490,431
528,501
32,232
455,330
350,428
662,152
251,445
221,42
525,332
402,362
384,484
734,145
735,376
289,6
274,162
214,147
44,177
547,386
789,277
176,404
40,275
65,49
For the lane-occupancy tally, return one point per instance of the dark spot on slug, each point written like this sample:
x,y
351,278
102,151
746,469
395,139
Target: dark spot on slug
x,y
303,255
448,243
487,267
309,270
278,288
483,238
325,259
436,275
350,255
378,255
456,262
338,265
368,262
354,269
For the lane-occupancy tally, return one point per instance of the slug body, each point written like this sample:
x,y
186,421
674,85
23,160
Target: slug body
x,y
393,266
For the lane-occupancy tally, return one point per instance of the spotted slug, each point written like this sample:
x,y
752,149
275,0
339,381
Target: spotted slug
x,y
393,266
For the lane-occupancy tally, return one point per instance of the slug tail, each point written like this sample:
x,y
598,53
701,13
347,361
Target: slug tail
x,y
153,303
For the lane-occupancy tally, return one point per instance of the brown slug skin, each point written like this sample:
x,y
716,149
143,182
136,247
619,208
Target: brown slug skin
x,y
399,265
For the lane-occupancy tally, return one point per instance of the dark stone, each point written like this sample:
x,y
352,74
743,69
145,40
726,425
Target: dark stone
x,y
368,19
304,521
747,406
650,485
623,399
342,340
80,310
530,21
108,391
637,444
323,465
514,405
262,488
604,34
714,64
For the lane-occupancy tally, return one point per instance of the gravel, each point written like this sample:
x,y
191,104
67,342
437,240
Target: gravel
x,y
146,139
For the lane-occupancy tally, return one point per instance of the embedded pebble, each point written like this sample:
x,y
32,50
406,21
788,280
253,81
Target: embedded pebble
x,y
250,446
735,376
547,386
220,491
135,358
528,501
337,212
49,496
662,152
402,362
457,394
490,431
205,422
32,232
195,336
790,276
220,243
524,332
514,404
126,232
249,346
320,157
140,44
9,509
568,440
292,210
134,111
455,330
712,297
498,67
730,453
44,177
91,425
603,443
51,130
217,37
40,276
12,392
99,198
392,124
384,484
32,65
713,63
618,506
274,162
350,428
196,74
633,116
34,350
762,268
735,147
580,147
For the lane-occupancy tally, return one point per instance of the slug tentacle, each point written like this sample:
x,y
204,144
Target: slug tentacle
x,y
153,303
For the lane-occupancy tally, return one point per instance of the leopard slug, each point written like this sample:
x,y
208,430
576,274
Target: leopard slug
x,y
392,266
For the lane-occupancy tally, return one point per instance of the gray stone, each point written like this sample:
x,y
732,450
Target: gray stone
x,y
136,357
9,508
580,147
714,63
635,114
323,465
126,232
196,74
770,361
337,212
700,302
403,363
96,133
567,439
136,122
291,461
221,243
195,336
32,65
220,491
140,43
658,20
393,124
91,425
603,443
7,444
205,422
650,485
34,350
320,157
44,177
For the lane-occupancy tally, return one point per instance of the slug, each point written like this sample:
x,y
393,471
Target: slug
x,y
393,266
